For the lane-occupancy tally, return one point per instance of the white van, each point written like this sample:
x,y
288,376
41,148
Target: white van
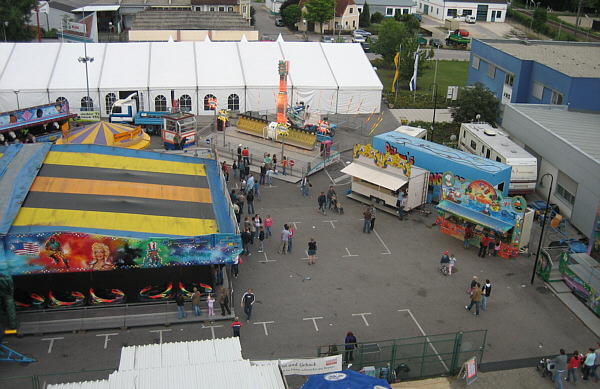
x,y
470,19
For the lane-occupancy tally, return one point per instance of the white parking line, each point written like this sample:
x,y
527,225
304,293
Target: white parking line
x,y
363,316
330,222
212,329
388,250
267,258
426,337
314,320
51,343
349,255
106,338
295,224
160,332
264,324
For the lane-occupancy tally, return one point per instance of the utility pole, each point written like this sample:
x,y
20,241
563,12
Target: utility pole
x,y
577,20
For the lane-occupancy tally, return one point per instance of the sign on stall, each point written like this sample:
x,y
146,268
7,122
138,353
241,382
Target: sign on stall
x,y
311,366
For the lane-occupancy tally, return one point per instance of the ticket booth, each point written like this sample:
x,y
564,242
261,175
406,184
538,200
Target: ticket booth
x,y
179,130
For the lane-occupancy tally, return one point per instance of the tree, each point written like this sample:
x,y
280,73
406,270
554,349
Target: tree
x,y
473,101
408,54
364,20
286,4
540,16
292,14
16,14
390,35
320,11
377,18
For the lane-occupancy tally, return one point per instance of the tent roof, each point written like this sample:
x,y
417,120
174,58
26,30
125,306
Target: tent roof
x,y
315,73
351,66
126,67
224,73
69,73
5,50
172,65
30,67
260,61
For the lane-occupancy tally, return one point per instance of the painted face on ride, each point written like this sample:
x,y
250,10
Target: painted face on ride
x,y
98,254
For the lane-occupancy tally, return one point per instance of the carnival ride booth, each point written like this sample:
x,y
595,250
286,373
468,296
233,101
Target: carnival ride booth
x,y
380,177
179,130
477,204
89,224
109,134
581,273
44,122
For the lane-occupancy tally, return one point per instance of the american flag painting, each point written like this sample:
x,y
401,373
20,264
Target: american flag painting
x,y
26,248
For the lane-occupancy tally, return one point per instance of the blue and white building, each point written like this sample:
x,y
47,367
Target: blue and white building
x,y
538,72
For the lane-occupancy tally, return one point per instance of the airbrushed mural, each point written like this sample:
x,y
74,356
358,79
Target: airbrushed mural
x,y
79,252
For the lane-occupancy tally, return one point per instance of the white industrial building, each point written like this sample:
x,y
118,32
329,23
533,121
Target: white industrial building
x,y
483,10
242,76
567,145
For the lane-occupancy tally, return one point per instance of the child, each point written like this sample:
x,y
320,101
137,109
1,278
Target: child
x,y
261,237
236,325
497,248
451,264
211,304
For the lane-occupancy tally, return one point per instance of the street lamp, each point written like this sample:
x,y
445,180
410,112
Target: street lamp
x,y
546,216
85,60
435,94
304,30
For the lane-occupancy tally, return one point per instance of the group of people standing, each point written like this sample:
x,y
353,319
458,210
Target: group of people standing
x,y
588,363
196,298
479,295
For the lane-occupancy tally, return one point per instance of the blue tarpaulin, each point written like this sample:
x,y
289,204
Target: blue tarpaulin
x,y
474,216
345,379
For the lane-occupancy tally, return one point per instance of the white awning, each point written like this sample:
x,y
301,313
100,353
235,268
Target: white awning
x,y
97,8
374,175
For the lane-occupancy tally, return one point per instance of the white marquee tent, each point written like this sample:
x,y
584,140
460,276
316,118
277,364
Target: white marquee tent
x,y
241,75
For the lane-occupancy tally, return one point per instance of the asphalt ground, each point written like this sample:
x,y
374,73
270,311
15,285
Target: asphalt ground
x,y
363,283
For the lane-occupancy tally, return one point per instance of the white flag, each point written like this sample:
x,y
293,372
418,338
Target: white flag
x,y
413,80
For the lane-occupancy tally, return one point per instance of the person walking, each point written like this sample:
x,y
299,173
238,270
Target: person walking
x,y
235,267
284,164
350,343
374,216
236,325
239,154
263,174
588,364
468,237
261,238
330,196
483,245
445,260
367,215
491,246
560,365
475,299
247,303
403,198
234,167
270,176
574,363
258,223
224,301
246,237
246,156
312,251
268,225
290,238
250,201
196,302
249,185
285,236
451,264
486,290
211,305
305,187
322,200
180,300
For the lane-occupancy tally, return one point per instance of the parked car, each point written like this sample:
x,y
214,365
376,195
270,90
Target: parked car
x,y
462,32
266,38
327,39
279,22
418,16
360,31
366,46
471,19
435,42
359,39
343,39
460,18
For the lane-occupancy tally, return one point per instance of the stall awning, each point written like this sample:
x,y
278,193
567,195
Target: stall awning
x,y
375,175
474,216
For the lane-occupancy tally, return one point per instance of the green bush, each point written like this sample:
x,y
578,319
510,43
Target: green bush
x,y
377,18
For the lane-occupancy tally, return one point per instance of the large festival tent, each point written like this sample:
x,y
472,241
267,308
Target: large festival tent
x,y
246,70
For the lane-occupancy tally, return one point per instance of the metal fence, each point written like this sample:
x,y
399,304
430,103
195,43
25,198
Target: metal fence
x,y
415,357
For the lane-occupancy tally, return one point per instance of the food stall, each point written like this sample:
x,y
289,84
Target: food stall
x,y
487,211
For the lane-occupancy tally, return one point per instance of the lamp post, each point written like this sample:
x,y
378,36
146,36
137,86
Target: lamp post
x,y
304,30
546,216
4,24
435,94
85,60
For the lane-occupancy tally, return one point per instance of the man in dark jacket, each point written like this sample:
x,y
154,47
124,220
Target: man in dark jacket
x,y
246,239
322,199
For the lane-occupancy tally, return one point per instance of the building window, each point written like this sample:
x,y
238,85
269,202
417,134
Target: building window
x,y
207,102
354,24
498,15
491,72
61,100
221,9
557,98
475,63
110,100
467,12
351,10
452,12
229,9
405,11
244,9
389,12
160,103
474,145
509,79
233,102
87,104
538,90
498,159
565,194
185,103
212,9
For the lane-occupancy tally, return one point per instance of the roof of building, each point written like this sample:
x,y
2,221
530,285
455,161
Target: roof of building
x,y
189,20
575,59
580,130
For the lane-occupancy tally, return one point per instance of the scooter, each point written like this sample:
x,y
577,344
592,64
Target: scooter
x,y
546,366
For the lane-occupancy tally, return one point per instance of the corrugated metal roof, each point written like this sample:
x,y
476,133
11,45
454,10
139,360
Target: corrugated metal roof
x,y
581,130
209,364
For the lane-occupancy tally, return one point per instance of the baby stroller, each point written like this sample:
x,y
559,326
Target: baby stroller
x,y
443,269
337,207
546,366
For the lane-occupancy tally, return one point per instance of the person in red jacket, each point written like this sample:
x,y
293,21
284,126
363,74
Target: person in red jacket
x,y
573,365
236,325
483,246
